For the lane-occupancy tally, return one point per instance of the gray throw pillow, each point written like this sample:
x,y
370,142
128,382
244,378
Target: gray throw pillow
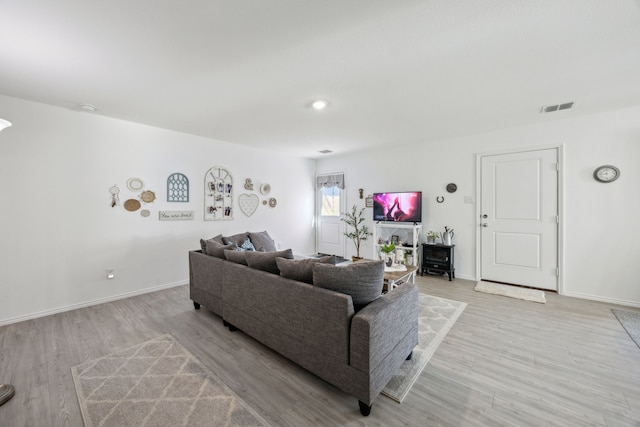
x,y
236,239
236,256
262,242
203,242
267,260
301,269
362,280
217,249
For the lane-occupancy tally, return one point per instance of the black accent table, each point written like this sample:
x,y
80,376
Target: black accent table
x,y
438,258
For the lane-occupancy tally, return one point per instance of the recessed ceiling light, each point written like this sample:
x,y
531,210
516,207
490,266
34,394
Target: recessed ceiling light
x,y
319,104
88,107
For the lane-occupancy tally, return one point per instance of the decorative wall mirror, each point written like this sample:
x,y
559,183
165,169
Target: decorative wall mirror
x,y
177,188
218,194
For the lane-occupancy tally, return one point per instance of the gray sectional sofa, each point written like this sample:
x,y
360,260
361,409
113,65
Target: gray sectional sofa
x,y
356,347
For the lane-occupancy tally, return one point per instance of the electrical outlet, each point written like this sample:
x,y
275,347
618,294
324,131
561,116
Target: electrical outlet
x,y
468,199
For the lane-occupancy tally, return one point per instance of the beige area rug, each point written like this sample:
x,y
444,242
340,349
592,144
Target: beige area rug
x,y
517,292
437,316
157,383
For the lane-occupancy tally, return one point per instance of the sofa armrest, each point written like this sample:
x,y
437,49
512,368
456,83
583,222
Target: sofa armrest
x,y
378,328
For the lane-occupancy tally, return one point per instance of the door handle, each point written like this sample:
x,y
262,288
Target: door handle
x,y
484,224
485,216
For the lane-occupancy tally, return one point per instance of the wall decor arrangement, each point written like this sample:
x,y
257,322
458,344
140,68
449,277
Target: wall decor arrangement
x,y
177,188
148,196
248,203
115,199
135,184
248,185
175,215
132,205
218,194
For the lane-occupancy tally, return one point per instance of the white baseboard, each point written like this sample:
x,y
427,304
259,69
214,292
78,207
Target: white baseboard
x,y
602,299
57,310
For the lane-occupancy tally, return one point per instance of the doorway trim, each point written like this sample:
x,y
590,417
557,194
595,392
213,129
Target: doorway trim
x,y
478,199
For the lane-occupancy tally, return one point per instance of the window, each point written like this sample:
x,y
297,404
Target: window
x,y
330,201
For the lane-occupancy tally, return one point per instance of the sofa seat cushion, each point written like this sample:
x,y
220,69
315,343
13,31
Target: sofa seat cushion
x,y
362,280
239,257
301,269
266,261
262,241
216,249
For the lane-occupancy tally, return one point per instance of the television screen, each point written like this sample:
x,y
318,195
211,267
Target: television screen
x,y
398,207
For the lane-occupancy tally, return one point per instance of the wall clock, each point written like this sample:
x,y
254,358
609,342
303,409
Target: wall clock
x,y
451,188
606,173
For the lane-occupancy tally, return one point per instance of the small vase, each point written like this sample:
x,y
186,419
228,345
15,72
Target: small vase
x,y
388,259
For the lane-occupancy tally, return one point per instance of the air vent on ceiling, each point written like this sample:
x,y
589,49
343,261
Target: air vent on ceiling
x,y
325,151
557,107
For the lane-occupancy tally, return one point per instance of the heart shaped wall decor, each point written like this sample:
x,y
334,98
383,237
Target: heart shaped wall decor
x,y
248,203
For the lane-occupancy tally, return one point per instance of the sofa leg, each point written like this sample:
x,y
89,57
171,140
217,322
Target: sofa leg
x,y
230,326
196,305
410,356
364,408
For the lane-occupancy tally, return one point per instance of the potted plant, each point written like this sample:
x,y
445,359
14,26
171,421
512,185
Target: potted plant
x,y
360,232
388,250
431,237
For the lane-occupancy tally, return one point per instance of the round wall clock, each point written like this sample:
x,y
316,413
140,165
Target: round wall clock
x,y
606,173
451,188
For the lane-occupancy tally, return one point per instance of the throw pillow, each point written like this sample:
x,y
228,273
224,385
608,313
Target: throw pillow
x,y
203,242
236,256
267,260
246,246
236,239
262,242
301,269
217,249
362,280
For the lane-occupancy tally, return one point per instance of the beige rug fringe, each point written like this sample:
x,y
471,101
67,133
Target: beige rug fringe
x,y
511,291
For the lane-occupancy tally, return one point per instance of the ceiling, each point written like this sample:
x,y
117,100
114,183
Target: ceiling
x,y
393,71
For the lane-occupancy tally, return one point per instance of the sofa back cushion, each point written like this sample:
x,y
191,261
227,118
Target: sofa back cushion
x,y
362,280
236,256
216,249
262,242
236,239
301,269
203,242
266,261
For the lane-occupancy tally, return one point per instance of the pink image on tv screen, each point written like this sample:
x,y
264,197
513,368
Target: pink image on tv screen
x,y
398,207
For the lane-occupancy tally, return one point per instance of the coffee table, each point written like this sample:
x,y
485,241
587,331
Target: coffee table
x,y
394,278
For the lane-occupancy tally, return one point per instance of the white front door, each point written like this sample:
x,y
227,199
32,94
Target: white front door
x,y
519,218
330,229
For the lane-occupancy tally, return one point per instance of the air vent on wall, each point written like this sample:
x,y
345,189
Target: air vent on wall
x,y
557,107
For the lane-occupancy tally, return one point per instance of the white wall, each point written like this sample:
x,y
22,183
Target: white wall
x,y
601,233
59,233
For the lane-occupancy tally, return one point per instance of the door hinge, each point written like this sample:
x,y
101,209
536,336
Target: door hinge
x,y
557,272
557,166
557,219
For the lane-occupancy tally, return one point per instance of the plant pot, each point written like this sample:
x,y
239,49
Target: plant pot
x,y
356,258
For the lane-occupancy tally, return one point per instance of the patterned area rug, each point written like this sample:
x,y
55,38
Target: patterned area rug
x,y
437,316
630,321
157,383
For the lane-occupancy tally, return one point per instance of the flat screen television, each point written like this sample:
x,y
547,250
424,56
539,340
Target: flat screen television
x,y
404,206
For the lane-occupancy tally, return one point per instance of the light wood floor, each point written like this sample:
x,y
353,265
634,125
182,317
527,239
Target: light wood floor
x,y
505,362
